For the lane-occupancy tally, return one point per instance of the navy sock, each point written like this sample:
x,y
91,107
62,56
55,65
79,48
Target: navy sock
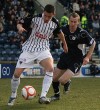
x,y
67,86
56,88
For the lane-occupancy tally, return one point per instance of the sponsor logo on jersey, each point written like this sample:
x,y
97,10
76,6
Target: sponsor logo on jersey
x,y
71,37
40,35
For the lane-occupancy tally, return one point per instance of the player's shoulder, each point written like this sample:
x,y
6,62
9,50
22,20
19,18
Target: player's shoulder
x,y
65,27
84,32
55,20
81,30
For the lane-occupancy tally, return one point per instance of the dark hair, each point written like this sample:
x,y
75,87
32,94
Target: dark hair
x,y
49,8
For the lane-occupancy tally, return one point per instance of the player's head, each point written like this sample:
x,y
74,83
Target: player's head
x,y
74,20
49,11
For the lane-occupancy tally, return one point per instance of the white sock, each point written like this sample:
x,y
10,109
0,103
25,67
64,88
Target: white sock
x,y
14,86
46,83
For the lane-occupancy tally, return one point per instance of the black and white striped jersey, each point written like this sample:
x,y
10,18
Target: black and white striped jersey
x,y
41,32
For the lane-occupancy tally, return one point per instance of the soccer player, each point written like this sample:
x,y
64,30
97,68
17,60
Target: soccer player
x,y
37,47
71,62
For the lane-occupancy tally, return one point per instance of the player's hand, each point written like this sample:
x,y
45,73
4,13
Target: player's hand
x,y
85,60
21,30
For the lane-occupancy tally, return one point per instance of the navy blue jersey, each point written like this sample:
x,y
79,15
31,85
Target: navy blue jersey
x,y
73,40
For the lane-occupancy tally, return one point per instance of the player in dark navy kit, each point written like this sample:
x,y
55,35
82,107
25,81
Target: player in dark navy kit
x,y
71,62
36,47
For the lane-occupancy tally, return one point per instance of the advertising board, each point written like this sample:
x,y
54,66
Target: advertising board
x,y
7,70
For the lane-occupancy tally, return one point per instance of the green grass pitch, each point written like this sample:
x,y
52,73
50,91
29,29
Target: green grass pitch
x,y
84,95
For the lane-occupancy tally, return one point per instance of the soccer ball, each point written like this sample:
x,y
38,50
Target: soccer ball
x,y
28,92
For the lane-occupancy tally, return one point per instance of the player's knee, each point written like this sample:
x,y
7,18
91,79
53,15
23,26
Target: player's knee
x,y
16,75
51,69
18,72
54,79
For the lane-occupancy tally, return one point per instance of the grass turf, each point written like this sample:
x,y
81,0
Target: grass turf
x,y
84,95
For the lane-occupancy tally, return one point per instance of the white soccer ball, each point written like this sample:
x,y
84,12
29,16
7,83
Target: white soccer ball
x,y
28,92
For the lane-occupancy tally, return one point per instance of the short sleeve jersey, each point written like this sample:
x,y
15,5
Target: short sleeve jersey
x,y
41,32
73,40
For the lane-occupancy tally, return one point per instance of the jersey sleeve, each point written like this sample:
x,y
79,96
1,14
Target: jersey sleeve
x,y
33,20
88,40
58,29
26,22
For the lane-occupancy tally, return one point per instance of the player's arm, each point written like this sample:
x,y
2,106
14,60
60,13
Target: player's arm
x,y
91,42
24,25
62,38
20,28
91,49
89,54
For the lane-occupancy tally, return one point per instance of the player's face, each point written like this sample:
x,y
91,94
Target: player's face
x,y
73,22
47,16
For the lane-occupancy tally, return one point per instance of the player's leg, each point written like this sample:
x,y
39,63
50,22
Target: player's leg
x,y
68,83
68,74
65,77
55,84
61,68
22,63
67,87
15,81
48,66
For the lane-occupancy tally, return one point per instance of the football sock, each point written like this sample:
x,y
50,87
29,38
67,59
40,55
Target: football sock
x,y
67,85
56,88
46,83
14,86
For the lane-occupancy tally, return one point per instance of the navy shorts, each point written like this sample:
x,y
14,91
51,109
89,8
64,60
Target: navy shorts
x,y
68,62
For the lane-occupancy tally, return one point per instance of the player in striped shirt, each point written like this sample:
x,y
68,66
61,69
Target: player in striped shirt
x,y
36,47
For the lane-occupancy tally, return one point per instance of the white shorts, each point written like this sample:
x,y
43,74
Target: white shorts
x,y
26,59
